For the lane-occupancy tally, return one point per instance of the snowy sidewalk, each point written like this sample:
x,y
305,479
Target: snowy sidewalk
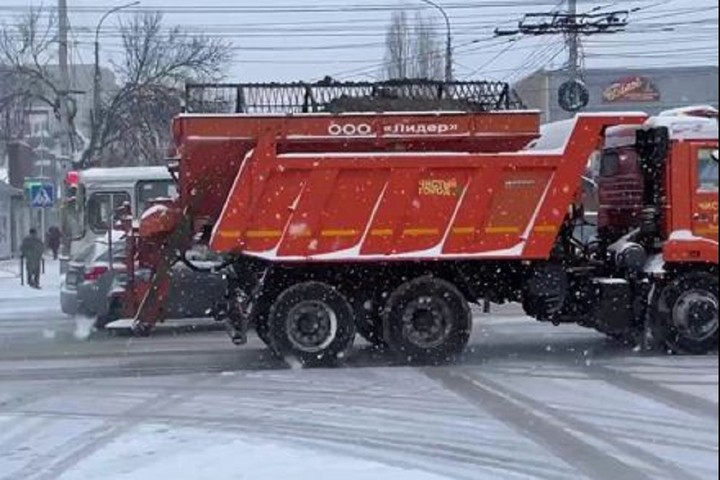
x,y
11,289
27,313
9,268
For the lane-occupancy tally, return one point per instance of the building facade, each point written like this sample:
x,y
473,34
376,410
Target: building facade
x,y
650,90
7,240
34,150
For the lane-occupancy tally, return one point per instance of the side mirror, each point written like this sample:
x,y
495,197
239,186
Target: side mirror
x,y
714,155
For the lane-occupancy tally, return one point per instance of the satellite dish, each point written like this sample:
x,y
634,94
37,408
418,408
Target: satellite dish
x,y
573,96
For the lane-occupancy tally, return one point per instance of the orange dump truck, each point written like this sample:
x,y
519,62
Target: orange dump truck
x,y
390,225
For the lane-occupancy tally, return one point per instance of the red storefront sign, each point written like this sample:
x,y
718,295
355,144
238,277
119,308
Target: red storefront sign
x,y
635,89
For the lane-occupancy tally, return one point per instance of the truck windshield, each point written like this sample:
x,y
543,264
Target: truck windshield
x,y
101,206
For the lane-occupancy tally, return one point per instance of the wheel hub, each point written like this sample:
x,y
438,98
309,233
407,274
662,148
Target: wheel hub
x,y
426,322
311,326
695,314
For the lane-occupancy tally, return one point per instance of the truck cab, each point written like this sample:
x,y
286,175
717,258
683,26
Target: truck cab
x,y
663,173
658,218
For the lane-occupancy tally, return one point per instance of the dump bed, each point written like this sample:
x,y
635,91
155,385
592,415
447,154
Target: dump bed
x,y
485,203
212,147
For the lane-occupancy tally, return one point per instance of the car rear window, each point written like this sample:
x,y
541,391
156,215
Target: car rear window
x,y
85,254
118,251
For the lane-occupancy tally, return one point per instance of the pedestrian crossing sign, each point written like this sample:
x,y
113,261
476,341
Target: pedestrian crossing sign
x,y
42,195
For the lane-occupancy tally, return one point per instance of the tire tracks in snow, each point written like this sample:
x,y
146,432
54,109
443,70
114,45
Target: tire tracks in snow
x,y
691,404
552,429
63,457
437,457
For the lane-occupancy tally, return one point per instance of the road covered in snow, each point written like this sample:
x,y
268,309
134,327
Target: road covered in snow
x,y
527,401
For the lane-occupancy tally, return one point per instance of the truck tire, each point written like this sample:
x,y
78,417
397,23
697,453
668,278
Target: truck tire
x,y
427,321
112,314
313,323
685,313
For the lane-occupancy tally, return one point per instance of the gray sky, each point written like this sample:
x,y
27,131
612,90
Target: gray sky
x,y
287,40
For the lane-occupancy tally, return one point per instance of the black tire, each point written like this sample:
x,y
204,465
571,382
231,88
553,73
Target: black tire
x,y
102,321
313,323
684,313
446,321
110,316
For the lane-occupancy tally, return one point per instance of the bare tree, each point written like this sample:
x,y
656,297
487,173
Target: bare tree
x,y
134,126
413,48
26,48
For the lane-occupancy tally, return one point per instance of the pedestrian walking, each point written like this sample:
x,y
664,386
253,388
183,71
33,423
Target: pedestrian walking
x,y
32,250
54,237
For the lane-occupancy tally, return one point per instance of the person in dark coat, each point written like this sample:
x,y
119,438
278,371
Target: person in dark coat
x,y
32,250
54,236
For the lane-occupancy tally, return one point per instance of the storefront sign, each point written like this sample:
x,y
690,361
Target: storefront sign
x,y
634,89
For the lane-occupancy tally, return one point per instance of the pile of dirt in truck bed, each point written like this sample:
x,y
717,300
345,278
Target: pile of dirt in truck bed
x,y
388,104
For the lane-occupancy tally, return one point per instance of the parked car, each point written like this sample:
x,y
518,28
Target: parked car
x,y
90,287
88,277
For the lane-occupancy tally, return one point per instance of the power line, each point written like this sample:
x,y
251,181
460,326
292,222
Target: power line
x,y
494,57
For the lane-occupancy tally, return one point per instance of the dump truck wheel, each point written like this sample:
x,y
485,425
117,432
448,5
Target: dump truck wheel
x,y
313,323
685,313
428,320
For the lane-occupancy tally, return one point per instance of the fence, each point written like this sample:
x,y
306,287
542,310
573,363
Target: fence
x,y
335,97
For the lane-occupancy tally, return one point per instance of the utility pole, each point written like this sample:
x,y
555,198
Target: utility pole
x,y
64,89
448,39
63,92
573,95
573,41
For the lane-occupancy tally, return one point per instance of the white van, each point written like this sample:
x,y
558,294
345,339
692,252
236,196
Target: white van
x,y
95,194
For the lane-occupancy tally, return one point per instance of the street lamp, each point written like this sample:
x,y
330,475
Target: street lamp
x,y
96,79
448,41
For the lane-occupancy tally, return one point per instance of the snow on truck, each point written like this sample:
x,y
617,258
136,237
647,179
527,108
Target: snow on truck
x,y
390,224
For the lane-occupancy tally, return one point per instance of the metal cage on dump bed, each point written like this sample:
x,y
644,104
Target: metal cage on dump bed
x,y
337,97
